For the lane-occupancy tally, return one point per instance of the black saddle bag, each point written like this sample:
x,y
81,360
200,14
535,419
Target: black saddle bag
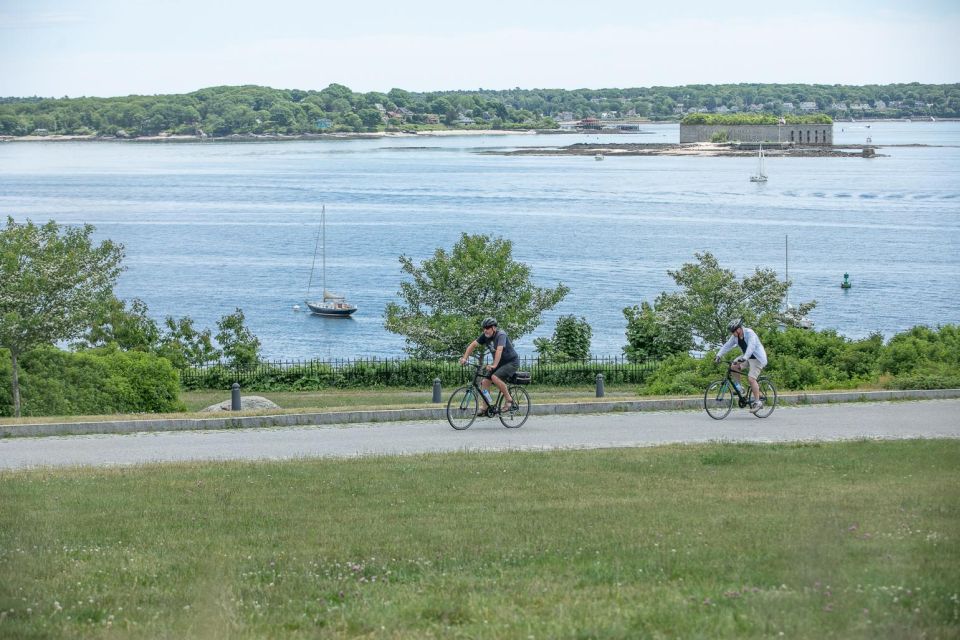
x,y
521,377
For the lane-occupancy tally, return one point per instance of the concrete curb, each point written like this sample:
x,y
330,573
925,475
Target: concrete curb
x,y
436,413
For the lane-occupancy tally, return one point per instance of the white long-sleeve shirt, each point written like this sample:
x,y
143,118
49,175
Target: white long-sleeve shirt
x,y
753,348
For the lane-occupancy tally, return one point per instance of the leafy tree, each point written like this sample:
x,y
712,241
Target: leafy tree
x,y
130,329
654,334
450,294
184,346
240,346
570,341
53,283
370,118
708,297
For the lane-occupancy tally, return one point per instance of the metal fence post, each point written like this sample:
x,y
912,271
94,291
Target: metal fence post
x,y
235,397
600,391
436,390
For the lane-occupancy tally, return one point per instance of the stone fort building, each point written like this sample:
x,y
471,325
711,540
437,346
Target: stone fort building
x,y
819,134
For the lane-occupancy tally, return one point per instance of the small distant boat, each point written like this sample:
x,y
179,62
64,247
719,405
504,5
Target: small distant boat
x,y
599,156
331,304
760,175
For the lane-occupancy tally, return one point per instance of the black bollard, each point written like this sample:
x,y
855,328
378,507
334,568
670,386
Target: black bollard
x,y
436,390
235,397
600,385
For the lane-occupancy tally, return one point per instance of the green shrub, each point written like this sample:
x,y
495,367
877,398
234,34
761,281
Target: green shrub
x,y
682,374
913,350
309,375
720,136
734,119
91,382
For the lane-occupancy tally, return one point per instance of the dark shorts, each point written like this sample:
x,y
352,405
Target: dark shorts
x,y
505,371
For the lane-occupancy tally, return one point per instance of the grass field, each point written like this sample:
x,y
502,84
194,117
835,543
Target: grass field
x,y
333,400
847,540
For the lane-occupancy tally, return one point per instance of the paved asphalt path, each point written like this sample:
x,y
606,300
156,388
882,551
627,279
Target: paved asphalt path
x,y
886,420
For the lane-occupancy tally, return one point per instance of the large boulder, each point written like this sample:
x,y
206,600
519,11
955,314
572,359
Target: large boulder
x,y
247,403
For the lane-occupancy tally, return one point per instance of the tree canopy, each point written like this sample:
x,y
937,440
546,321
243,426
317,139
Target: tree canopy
x,y
53,282
253,110
708,297
448,295
754,119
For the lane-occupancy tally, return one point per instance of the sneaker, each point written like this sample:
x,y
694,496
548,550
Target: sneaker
x,y
756,406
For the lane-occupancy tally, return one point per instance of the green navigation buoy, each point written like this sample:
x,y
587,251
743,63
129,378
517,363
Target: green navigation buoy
x,y
846,284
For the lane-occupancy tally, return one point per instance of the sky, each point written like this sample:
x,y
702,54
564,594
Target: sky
x,y
56,48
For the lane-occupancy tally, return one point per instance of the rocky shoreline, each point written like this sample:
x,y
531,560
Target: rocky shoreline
x,y
698,149
612,149
268,137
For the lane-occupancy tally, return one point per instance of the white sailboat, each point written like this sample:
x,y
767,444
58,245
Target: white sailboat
x,y
761,174
330,304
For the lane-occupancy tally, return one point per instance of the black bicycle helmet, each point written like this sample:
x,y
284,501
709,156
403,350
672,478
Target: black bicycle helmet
x,y
488,322
734,324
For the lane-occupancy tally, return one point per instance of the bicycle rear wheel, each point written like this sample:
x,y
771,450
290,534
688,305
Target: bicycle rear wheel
x,y
462,408
513,419
768,394
718,399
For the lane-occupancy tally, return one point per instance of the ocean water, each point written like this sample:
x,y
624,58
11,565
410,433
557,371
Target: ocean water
x,y
211,227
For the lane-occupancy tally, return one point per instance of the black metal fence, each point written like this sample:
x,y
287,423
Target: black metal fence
x,y
297,375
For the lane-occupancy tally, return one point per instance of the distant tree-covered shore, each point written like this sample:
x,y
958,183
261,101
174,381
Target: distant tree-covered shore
x,y
255,110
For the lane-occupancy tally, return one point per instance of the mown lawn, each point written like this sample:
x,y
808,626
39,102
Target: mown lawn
x,y
334,400
844,540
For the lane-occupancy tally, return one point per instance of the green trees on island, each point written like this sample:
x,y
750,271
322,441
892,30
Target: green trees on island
x,y
252,110
754,119
447,296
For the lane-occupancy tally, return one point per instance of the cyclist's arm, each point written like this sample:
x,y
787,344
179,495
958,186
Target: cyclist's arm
x,y
470,347
729,344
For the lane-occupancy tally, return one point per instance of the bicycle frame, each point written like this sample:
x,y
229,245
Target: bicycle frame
x,y
464,403
742,398
718,396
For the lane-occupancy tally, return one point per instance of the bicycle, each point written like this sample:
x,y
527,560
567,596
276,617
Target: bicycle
x,y
719,396
464,404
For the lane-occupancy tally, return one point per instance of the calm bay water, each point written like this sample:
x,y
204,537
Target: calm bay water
x,y
215,226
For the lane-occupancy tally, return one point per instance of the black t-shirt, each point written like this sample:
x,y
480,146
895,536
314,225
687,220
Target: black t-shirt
x,y
496,340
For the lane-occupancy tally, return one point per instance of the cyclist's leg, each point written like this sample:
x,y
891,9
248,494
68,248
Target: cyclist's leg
x,y
735,372
502,373
485,385
755,370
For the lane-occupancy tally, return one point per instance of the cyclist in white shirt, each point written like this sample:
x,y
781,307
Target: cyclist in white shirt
x,y
753,352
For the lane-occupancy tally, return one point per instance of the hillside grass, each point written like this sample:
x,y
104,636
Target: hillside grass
x,y
845,540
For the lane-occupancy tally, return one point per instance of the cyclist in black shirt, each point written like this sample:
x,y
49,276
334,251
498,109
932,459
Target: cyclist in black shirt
x,y
505,359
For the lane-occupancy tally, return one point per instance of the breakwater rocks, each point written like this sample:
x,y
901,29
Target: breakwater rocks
x,y
699,149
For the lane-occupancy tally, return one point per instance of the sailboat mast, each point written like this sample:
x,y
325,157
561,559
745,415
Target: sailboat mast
x,y
313,264
323,231
786,253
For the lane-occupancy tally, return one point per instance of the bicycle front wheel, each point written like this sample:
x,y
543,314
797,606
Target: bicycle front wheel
x,y
514,418
718,399
768,394
462,408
